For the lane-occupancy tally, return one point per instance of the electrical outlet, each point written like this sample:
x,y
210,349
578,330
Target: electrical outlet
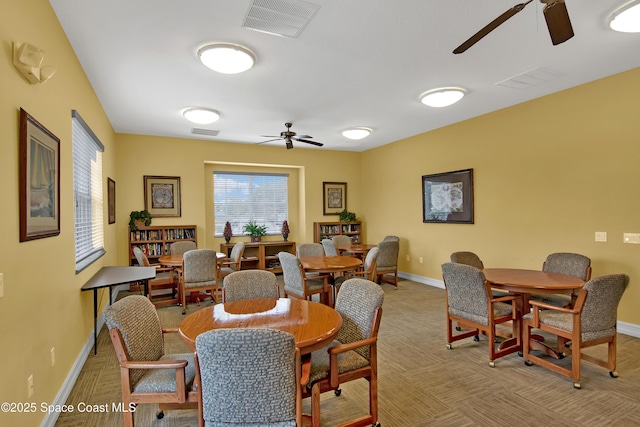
x,y
53,356
421,260
30,386
601,236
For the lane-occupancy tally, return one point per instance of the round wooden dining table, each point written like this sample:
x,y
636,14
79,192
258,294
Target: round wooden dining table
x,y
176,259
329,264
360,250
313,325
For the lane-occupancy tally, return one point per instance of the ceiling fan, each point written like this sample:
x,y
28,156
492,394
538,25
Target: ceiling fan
x,y
289,136
555,13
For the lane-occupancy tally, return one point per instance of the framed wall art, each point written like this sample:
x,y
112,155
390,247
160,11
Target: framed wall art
x,y
334,197
448,197
111,200
39,181
162,195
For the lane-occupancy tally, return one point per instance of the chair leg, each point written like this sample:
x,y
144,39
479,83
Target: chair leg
x,y
315,406
127,418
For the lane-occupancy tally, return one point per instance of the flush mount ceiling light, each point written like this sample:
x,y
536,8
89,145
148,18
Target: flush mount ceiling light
x,y
356,133
626,18
227,58
442,97
201,116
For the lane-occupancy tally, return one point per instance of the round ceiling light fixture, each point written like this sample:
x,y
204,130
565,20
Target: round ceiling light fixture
x,y
201,116
626,18
442,97
227,58
356,133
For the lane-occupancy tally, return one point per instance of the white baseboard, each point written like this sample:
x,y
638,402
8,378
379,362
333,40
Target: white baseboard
x,y
64,392
623,327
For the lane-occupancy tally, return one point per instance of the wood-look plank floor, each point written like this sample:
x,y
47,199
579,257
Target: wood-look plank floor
x,y
421,383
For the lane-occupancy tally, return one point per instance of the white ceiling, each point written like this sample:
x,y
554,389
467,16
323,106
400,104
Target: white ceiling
x,y
358,63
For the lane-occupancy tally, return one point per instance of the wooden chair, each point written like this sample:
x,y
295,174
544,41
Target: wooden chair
x,y
470,258
298,285
329,247
341,240
353,354
166,278
250,284
387,263
471,305
199,273
250,376
590,322
179,248
147,375
309,249
571,264
233,262
369,267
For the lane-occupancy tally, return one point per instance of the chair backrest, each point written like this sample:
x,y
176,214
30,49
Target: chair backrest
x,y
329,247
178,248
248,377
371,259
388,256
292,274
466,291
341,240
236,254
467,258
310,249
599,311
249,284
391,239
571,264
357,302
142,259
199,265
137,320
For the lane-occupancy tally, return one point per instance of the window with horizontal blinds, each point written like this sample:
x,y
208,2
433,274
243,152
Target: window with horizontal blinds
x,y
243,197
87,193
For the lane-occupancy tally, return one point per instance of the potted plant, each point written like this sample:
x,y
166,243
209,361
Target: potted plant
x,y
227,233
285,230
254,230
138,218
346,216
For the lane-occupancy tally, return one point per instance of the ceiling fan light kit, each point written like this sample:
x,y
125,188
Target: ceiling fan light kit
x,y
201,116
356,133
442,97
626,18
227,58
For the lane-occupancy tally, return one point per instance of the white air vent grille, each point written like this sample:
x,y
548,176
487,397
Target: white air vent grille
x,y
279,17
205,132
530,78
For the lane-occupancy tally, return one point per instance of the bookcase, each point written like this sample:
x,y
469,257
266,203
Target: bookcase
x,y
326,230
261,255
156,241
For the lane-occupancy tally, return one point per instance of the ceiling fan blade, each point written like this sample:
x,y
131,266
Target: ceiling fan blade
x,y
490,27
309,142
558,22
270,136
270,140
304,136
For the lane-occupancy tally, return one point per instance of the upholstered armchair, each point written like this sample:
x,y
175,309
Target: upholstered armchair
x,y
250,284
166,278
179,248
233,262
309,249
591,321
341,240
250,376
298,285
353,354
198,274
471,305
567,263
391,239
467,258
147,374
387,263
369,267
329,247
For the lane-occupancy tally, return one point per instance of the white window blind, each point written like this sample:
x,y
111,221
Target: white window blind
x,y
87,193
243,197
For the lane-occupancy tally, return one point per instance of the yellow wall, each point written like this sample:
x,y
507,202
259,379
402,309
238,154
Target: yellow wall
x,y
548,174
42,305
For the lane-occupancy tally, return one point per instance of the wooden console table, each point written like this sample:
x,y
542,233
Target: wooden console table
x,y
261,255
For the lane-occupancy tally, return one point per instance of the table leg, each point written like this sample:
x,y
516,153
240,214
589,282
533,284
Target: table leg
x,y
95,321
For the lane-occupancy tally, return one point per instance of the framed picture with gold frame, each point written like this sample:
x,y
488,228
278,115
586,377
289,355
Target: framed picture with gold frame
x,y
162,195
334,197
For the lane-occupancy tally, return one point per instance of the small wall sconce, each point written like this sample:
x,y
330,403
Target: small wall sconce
x,y
28,59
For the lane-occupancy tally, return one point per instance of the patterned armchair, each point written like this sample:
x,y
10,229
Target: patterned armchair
x,y
353,354
179,248
234,262
250,376
147,374
590,322
471,305
341,240
250,284
369,268
387,263
298,285
391,239
309,249
469,258
329,247
198,274
165,279
571,264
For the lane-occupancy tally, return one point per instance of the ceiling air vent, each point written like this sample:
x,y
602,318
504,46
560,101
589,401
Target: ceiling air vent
x,y
285,18
530,78
205,132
